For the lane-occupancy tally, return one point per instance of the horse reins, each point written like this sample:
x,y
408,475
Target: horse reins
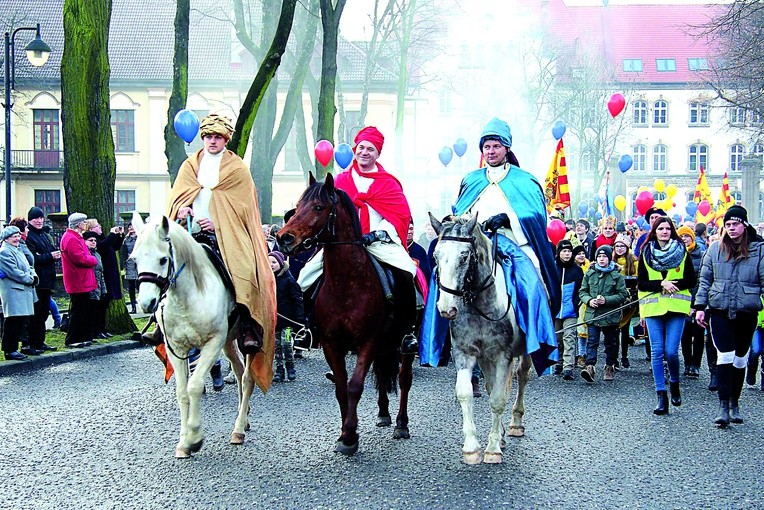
x,y
469,295
328,226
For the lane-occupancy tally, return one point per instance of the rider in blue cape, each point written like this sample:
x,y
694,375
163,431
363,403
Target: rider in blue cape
x,y
513,202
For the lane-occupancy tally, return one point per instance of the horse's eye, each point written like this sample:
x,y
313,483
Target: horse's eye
x,y
163,260
463,258
318,208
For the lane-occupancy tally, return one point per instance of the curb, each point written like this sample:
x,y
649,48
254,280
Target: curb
x,y
57,358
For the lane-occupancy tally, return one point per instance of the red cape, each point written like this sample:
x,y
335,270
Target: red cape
x,y
385,196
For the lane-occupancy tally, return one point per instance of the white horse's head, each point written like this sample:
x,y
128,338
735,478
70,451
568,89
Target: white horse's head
x,y
161,250
461,248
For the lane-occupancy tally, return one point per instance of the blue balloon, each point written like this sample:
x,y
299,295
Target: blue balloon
x,y
676,218
558,129
642,223
445,155
186,125
591,211
691,208
583,207
625,162
598,215
343,155
460,147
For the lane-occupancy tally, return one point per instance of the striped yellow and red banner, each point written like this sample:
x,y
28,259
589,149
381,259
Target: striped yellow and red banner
x,y
725,200
556,182
703,192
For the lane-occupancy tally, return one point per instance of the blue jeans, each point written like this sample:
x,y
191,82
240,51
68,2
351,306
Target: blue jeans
x,y
610,334
665,335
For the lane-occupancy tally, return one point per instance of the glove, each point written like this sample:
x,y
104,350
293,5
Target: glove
x,y
496,222
373,237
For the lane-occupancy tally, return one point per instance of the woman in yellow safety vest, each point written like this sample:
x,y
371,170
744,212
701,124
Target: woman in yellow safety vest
x,y
664,278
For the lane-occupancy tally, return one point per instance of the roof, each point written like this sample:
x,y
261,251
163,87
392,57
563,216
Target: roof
x,y
645,32
141,39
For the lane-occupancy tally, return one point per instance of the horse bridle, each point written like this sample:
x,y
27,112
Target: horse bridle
x,y
328,226
163,282
470,294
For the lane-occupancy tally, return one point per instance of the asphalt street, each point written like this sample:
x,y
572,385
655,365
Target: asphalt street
x,y
100,433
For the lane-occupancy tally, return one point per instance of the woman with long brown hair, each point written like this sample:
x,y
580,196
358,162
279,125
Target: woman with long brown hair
x,y
728,300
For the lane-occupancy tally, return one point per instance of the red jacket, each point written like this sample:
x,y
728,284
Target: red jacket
x,y
77,263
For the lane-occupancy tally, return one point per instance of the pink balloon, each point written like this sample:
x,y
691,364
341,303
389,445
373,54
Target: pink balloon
x,y
556,231
704,207
616,104
644,202
324,151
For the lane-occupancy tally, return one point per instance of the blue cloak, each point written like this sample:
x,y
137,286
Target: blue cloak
x,y
534,311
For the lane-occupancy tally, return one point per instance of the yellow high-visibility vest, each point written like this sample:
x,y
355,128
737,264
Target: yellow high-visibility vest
x,y
657,304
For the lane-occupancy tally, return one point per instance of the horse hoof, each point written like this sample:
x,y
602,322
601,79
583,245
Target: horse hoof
x,y
492,458
181,452
193,448
237,438
472,458
401,433
384,421
516,431
246,427
344,449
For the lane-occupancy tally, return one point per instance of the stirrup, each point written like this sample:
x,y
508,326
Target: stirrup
x,y
409,344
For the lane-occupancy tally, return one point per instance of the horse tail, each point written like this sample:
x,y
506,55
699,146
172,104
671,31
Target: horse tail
x,y
386,366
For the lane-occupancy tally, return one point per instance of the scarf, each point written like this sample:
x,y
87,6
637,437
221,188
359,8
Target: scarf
x,y
663,259
610,267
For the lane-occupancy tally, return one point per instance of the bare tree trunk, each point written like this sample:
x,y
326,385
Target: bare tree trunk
x,y
174,147
89,163
330,21
403,82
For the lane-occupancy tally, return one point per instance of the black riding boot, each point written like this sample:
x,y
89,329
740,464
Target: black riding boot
x,y
676,397
735,412
753,367
724,414
405,310
663,405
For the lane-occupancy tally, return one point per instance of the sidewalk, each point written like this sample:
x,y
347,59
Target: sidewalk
x,y
58,357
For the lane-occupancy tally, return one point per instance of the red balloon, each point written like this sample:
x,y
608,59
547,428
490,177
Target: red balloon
x,y
616,104
644,202
556,231
324,151
704,207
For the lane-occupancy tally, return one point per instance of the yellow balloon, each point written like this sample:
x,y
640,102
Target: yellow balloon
x,y
659,185
620,202
670,191
641,189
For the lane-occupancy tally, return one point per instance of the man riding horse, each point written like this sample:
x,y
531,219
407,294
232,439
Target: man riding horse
x,y
215,192
385,216
512,201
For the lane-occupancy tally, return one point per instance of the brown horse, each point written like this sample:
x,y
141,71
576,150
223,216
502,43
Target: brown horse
x,y
351,312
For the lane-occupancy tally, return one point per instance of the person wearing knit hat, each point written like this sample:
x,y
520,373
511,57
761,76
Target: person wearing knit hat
x,y
291,316
34,213
76,219
603,290
627,264
215,193
571,276
665,277
46,256
693,336
385,218
511,203
728,300
16,292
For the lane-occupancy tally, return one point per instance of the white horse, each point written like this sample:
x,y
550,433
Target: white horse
x,y
473,296
192,305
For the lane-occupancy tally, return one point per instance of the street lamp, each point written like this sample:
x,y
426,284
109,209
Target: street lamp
x,y
37,54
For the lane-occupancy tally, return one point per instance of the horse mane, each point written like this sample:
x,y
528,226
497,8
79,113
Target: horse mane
x,y
317,191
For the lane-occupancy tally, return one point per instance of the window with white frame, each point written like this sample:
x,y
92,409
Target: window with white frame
x,y
736,157
639,156
659,158
123,130
698,157
665,64
632,65
697,64
755,117
757,149
698,113
737,116
660,112
640,112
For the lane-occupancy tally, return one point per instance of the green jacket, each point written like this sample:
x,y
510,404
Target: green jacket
x,y
612,287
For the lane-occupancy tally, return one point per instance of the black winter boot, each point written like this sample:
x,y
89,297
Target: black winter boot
x,y
735,412
291,374
713,383
724,414
676,397
663,405
278,374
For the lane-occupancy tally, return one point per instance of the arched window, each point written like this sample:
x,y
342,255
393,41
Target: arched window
x,y
640,112
698,157
659,158
640,157
660,112
736,157
698,113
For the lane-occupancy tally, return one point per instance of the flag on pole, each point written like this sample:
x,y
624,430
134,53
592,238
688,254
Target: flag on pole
x,y
702,191
725,200
556,181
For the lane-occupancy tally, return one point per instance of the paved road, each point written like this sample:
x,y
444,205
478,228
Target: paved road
x,y
100,433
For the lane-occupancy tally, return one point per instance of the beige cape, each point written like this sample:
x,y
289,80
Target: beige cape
x,y
236,216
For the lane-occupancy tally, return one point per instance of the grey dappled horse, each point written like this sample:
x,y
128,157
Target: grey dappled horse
x,y
473,296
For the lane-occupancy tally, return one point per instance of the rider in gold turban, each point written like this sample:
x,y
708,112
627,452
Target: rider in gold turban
x,y
216,124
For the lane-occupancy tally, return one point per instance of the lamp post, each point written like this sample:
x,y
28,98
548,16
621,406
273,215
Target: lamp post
x,y
37,54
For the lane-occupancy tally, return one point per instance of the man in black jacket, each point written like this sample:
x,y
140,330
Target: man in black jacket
x,y
40,243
